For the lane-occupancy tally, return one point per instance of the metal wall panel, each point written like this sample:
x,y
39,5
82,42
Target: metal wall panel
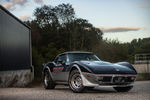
x,y
14,43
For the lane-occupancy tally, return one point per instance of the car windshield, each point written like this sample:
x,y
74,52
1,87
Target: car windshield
x,y
82,56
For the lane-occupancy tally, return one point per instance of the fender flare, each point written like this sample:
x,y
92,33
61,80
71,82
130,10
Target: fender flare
x,y
84,80
127,65
75,66
47,68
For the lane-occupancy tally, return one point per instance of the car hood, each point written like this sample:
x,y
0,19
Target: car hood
x,y
101,67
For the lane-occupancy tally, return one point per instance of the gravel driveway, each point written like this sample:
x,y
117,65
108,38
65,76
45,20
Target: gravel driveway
x,y
141,91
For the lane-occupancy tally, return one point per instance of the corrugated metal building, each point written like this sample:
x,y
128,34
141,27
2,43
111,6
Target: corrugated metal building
x,y
15,51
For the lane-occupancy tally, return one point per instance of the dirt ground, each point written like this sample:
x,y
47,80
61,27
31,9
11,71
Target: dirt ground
x,y
141,91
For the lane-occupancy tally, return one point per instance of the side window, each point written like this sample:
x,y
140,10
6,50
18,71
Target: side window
x,y
61,58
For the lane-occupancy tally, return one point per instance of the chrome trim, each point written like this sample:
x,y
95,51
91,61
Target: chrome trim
x,y
116,85
110,74
112,79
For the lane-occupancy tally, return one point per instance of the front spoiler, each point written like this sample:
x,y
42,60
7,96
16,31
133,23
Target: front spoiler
x,y
94,83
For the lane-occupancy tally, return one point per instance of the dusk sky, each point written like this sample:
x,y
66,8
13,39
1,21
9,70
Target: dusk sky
x,y
124,20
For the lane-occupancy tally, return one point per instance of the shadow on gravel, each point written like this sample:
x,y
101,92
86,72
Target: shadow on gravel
x,y
62,88
100,91
67,89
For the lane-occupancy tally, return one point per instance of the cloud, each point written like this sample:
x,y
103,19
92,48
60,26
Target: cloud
x,y
9,6
12,4
25,17
19,2
39,1
145,6
119,29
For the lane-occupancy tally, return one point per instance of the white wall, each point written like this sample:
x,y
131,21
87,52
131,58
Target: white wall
x,y
142,68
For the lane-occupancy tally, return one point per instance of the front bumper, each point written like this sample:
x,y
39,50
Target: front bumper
x,y
107,80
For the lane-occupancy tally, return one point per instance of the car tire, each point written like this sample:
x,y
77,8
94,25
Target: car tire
x,y
75,82
123,89
48,82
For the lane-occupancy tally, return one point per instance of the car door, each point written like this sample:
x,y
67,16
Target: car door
x,y
59,68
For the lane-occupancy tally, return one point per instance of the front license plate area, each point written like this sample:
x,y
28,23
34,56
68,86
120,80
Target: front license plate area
x,y
119,79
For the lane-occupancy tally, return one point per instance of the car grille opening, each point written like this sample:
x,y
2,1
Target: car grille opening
x,y
117,80
107,79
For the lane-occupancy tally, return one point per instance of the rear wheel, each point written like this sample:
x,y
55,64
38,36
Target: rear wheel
x,y
48,82
123,89
75,82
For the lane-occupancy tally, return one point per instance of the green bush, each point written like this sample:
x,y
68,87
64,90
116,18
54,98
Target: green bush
x,y
37,60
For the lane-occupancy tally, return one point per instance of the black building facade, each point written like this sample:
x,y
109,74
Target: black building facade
x,y
15,51
14,42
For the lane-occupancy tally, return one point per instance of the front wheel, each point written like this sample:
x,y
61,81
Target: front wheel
x,y
123,89
48,82
75,82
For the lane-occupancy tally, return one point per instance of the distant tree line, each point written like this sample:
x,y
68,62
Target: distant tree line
x,y
56,29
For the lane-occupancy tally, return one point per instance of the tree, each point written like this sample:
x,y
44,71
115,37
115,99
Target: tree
x,y
55,29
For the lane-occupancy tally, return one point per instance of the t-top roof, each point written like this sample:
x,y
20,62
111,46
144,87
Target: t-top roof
x,y
75,52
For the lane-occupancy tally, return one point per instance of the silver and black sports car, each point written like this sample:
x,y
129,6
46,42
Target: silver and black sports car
x,y
83,70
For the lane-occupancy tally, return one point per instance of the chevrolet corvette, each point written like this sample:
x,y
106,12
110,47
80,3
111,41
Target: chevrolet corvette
x,y
83,70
